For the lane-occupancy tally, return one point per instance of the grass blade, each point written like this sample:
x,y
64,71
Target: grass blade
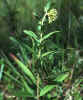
x,y
24,68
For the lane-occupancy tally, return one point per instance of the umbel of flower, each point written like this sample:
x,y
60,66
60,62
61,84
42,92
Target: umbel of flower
x,y
52,15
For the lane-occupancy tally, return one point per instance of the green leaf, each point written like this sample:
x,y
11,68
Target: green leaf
x,y
47,53
47,36
1,61
29,90
77,96
24,68
1,70
31,34
61,77
48,5
12,78
46,89
1,96
20,93
14,40
11,65
28,48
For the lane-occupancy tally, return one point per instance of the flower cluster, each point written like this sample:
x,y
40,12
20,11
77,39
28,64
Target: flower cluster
x,y
52,15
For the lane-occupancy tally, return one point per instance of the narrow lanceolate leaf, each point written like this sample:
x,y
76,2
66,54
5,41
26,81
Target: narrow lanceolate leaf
x,y
47,53
12,78
48,35
31,34
61,77
1,71
24,68
29,89
46,89
14,40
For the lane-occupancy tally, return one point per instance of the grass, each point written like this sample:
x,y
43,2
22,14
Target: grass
x,y
45,65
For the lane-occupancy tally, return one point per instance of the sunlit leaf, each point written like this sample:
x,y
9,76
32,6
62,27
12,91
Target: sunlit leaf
x,y
47,53
24,68
1,70
48,35
46,89
61,77
48,5
29,89
31,34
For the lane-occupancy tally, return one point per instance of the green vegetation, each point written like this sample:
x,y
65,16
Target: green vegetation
x,y
41,54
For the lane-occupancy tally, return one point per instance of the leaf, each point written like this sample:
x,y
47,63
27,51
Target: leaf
x,y
61,77
1,71
47,36
1,61
46,89
1,96
20,93
48,5
12,78
24,68
14,40
47,53
29,90
28,48
31,34
11,65
77,96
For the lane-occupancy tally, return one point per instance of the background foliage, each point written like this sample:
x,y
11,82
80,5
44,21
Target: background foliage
x,y
41,50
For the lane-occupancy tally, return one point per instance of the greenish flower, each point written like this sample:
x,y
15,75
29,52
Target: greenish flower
x,y
52,15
